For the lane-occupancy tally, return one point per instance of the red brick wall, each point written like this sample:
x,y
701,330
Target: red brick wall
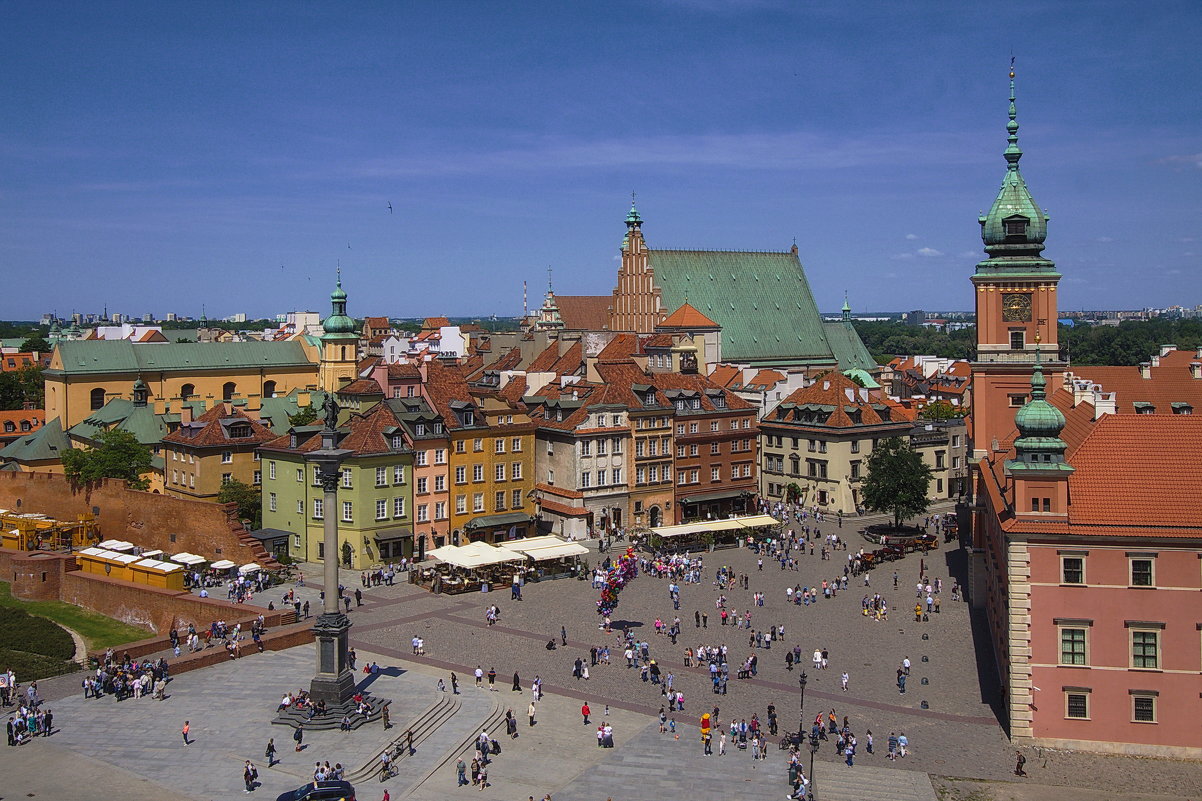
x,y
36,576
209,529
277,639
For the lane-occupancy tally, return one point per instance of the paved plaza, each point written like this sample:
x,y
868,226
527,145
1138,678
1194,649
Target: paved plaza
x,y
136,745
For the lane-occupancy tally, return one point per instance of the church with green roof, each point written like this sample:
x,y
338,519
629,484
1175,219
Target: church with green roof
x,y
761,300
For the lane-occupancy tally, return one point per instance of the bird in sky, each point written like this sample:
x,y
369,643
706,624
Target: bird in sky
x,y
390,207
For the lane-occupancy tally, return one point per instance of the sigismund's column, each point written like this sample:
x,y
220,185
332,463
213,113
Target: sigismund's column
x,y
334,681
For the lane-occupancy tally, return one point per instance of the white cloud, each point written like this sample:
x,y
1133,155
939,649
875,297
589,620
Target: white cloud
x,y
1105,239
929,252
1189,158
911,236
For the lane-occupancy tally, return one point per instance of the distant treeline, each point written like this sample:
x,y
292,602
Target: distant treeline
x,y
1128,343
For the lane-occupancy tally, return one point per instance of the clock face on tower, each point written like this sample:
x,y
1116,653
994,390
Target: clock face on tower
x,y
1016,308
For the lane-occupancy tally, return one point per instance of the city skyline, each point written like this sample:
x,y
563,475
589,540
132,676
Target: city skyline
x,y
160,158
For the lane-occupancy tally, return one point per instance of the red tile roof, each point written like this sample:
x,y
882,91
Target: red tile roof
x,y
362,434
404,370
211,429
563,508
363,386
562,492
435,322
620,348
584,312
765,379
725,375
1170,383
831,390
687,317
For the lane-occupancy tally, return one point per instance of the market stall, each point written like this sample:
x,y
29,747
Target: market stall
x,y
467,568
712,532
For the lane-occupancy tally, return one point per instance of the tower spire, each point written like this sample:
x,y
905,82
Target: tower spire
x,y
1013,151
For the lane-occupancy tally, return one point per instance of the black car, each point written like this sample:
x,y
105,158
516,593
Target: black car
x,y
320,791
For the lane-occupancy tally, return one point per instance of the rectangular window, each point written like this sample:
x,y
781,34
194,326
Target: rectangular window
x,y
586,479
478,502
601,447
461,475
421,458
499,501
716,473
653,474
423,485
940,456
1145,649
855,446
714,425
227,457
1072,646
300,475
679,451
693,450
318,508
617,449
1072,569
652,446
692,428
258,477
640,476
440,510
440,483
460,504
1016,400
681,476
855,469
639,448
348,512
601,475
346,479
515,445
440,456
515,471
813,446
499,472
227,478
382,509
1076,705
477,472
715,448
461,446
296,541
300,506
423,513
586,448
478,445
271,501
679,427
398,474
1143,708
1018,339
1141,573
617,475
381,476
499,445
271,470
398,507
516,502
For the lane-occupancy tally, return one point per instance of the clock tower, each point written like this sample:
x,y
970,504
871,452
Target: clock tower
x,y
1016,307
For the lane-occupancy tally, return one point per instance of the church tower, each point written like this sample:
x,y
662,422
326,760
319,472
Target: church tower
x,y
339,344
1038,470
1015,301
637,302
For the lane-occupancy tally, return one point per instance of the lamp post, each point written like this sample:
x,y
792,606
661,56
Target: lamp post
x,y
334,681
801,710
813,750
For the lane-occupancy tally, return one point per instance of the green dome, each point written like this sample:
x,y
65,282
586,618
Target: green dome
x,y
338,322
1038,419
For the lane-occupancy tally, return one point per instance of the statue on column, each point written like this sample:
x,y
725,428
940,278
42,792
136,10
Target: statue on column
x,y
331,409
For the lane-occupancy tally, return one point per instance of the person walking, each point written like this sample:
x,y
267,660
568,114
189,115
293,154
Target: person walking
x,y
530,713
492,679
187,728
517,683
461,772
584,710
298,736
1020,761
269,753
454,684
843,680
249,774
479,676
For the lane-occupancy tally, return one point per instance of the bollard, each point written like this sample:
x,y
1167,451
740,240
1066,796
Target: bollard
x,y
926,636
925,681
926,659
925,705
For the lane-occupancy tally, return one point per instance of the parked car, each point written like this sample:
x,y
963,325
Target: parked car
x,y
320,791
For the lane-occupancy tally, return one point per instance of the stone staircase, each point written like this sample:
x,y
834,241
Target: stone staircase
x,y
422,727
332,719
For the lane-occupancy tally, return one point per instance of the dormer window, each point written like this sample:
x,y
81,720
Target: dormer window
x,y
438,428
239,431
558,415
397,442
469,418
1015,226
695,403
719,401
649,397
679,404
420,429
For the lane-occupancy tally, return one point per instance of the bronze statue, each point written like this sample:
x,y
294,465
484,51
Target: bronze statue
x,y
331,409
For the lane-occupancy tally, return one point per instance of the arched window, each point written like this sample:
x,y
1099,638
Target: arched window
x,y
187,391
268,389
98,397
227,390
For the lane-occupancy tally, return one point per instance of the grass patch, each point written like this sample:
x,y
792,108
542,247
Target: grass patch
x,y
97,630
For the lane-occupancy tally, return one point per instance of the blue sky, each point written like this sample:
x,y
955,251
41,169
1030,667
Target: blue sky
x,y
157,156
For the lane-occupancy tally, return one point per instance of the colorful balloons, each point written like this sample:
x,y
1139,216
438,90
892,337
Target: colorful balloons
x,y
619,573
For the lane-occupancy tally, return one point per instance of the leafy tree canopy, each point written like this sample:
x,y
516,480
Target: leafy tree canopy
x,y
22,388
37,343
897,480
117,454
940,410
304,417
248,498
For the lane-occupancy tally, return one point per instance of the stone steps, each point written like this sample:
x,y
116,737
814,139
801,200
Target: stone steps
x,y
332,719
423,727
465,744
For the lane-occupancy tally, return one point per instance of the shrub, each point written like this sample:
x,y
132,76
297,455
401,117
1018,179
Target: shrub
x,y
21,631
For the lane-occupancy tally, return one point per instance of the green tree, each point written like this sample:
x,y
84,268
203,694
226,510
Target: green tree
x,y
22,388
940,410
897,480
248,498
36,343
117,454
305,416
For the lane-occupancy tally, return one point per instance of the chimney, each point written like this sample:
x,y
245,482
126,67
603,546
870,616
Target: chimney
x,y
1165,350
1156,360
1195,369
1198,352
160,406
1145,369
253,404
303,399
1104,403
185,414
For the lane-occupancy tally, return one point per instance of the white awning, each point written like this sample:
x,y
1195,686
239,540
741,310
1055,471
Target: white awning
x,y
754,521
250,567
124,558
224,564
557,551
682,529
156,565
116,545
531,543
474,554
189,559
154,554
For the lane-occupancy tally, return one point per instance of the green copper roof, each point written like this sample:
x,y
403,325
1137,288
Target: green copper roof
x,y
82,357
632,218
848,348
1039,424
48,442
338,325
761,299
1015,246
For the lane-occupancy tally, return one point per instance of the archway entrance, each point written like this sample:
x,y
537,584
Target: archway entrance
x,y
655,516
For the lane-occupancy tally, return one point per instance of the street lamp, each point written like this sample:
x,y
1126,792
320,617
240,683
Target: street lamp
x,y
801,727
813,750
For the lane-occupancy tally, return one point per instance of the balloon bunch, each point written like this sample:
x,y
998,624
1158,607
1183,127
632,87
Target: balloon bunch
x,y
619,573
